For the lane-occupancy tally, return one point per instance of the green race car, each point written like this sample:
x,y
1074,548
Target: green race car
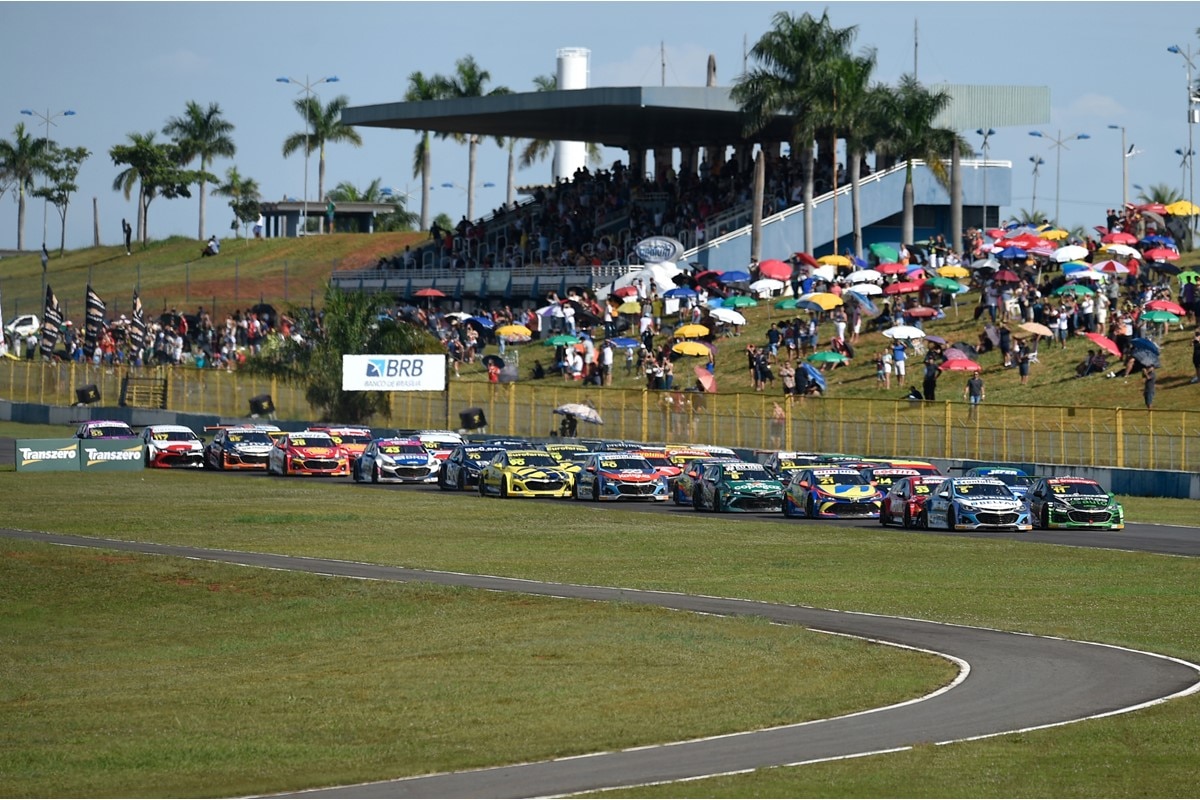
x,y
736,486
1074,503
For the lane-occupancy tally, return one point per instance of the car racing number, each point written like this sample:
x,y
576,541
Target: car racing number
x,y
921,489
161,437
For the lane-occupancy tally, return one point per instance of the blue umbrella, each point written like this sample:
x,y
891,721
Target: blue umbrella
x,y
482,322
863,302
1012,252
815,375
809,305
680,291
1143,344
623,342
1158,239
735,276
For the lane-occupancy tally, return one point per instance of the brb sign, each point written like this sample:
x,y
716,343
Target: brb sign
x,y
420,373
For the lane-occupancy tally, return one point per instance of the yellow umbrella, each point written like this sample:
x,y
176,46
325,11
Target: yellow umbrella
x,y
691,331
630,307
835,260
1054,235
691,349
514,331
953,271
1183,208
825,300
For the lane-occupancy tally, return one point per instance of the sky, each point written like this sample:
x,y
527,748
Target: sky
x,y
129,67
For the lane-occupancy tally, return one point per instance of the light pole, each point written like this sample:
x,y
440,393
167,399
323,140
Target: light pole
x,y
1126,152
47,118
307,87
1192,98
1059,143
986,136
1037,162
1185,157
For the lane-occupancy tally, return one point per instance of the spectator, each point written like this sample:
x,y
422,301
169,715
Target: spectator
x,y
974,393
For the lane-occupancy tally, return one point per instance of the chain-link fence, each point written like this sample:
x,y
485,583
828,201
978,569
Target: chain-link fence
x,y
1106,437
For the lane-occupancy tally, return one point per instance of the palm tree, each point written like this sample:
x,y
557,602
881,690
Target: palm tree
x,y
469,81
130,176
911,136
20,161
321,125
848,111
202,133
243,194
421,89
1160,193
865,120
794,59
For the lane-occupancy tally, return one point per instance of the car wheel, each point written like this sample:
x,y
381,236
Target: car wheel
x,y
950,520
696,499
482,491
789,510
718,504
810,508
441,478
677,496
908,521
504,486
923,520
595,491
1044,518
375,473
883,515
461,482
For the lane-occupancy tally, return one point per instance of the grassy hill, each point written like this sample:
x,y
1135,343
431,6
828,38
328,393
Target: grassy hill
x,y
295,271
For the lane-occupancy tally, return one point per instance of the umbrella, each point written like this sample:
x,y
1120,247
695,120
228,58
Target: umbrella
x,y
824,272
826,300
885,251
630,307
1070,253
481,322
947,284
1159,316
904,332
728,316
1164,267
1111,267
1012,252
625,291
1073,266
734,276
580,411
705,379
514,330
1161,254
1189,276
773,268
691,331
1166,305
787,304
1145,357
935,339
902,287
867,289
680,292
429,292
815,376
1120,249
985,263
1087,275
807,305
1120,237
862,302
738,301
1183,208
955,353
1073,288
691,349
623,342
1007,276
805,258
891,268
960,365
1153,208
827,357
1105,342
953,271
766,285
860,275
562,338
1055,234
491,359
1036,328
1143,344
835,261
458,315
921,312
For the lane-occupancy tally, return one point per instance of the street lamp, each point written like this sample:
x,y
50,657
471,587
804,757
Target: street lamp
x,y
47,118
986,136
1037,162
1192,99
307,87
1126,153
1058,143
1185,160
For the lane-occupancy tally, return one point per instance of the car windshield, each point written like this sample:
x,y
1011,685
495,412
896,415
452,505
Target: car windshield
x,y
659,459
312,441
623,463
108,432
249,437
839,479
351,438
982,490
173,436
1009,479
747,472
1085,489
481,453
531,460
401,449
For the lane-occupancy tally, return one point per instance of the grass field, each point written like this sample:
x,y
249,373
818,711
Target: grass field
x,y
138,676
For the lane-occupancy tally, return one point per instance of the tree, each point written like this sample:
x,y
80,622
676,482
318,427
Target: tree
x,y
469,81
536,150
793,63
849,112
398,219
865,122
204,134
157,171
352,325
244,197
1159,193
911,136
20,161
421,89
322,125
61,168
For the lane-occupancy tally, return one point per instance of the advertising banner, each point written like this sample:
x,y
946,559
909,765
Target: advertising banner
x,y
114,455
47,455
419,373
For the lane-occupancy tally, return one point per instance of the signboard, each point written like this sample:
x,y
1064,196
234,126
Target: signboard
x,y
114,455
659,249
417,373
47,455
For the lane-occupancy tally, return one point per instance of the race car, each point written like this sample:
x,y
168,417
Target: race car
x,y
524,473
1016,479
661,461
172,446
619,476
681,455
685,484
243,447
396,460
905,500
104,429
461,469
440,443
923,467
353,440
567,454
830,493
786,462
882,478
1069,502
307,453
971,504
736,486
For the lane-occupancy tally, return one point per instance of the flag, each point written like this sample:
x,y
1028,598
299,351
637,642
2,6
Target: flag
x,y
51,320
95,322
137,329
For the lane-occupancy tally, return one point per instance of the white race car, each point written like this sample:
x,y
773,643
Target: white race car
x,y
172,446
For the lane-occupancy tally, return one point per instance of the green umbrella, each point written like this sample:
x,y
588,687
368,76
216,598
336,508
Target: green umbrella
x,y
738,301
562,338
948,284
1074,288
789,303
1160,316
1188,276
828,356
885,252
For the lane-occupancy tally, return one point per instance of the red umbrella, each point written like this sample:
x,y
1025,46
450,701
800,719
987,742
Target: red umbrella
x,y
903,287
1120,237
626,291
430,292
1166,305
1007,276
774,268
706,379
960,365
707,276
1161,254
1153,208
921,312
891,269
1114,267
996,233
805,258
1105,342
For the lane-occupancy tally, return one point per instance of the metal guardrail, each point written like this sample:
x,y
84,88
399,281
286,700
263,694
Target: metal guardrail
x,y
1099,437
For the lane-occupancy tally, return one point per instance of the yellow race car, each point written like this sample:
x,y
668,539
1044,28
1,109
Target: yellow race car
x,y
525,473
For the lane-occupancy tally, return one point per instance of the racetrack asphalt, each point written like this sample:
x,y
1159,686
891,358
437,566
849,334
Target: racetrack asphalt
x,y
1007,682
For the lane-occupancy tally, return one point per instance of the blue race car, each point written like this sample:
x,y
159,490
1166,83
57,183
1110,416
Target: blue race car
x,y
619,476
1016,479
972,504
831,493
461,468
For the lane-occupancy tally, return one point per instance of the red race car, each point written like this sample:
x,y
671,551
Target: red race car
x,y
905,501
307,453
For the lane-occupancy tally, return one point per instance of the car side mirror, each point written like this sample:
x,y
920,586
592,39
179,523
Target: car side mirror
x,y
803,484
944,494
591,469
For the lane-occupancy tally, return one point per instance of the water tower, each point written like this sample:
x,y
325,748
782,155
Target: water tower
x,y
572,74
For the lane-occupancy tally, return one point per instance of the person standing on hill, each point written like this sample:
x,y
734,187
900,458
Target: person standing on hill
x,y
127,230
974,394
